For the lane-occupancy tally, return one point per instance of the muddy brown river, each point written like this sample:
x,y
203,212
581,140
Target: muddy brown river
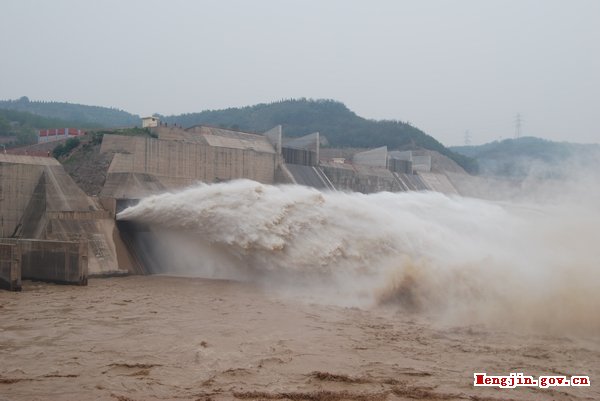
x,y
172,338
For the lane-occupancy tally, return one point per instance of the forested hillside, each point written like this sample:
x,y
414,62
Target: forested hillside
x,y
341,126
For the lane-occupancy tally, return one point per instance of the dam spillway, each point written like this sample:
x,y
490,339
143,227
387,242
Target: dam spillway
x,y
41,202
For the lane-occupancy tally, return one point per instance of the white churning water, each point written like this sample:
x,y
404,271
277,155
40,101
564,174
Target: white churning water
x,y
457,258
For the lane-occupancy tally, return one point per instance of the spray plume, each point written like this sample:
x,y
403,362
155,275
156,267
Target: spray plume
x,y
463,259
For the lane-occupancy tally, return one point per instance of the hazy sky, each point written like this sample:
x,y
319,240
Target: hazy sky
x,y
445,66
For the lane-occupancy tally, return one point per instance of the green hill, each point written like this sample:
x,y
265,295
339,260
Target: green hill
x,y
529,155
20,126
341,126
87,115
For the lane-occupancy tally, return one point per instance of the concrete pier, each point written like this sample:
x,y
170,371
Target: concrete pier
x,y
10,267
61,262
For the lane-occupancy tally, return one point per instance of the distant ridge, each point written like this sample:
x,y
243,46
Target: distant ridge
x,y
94,115
524,156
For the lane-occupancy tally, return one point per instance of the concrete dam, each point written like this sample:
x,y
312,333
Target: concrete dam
x,y
48,223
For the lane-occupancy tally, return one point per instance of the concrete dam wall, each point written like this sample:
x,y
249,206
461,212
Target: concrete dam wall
x,y
41,201
142,166
368,179
19,180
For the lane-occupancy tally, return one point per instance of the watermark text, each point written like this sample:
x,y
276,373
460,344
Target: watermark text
x,y
520,380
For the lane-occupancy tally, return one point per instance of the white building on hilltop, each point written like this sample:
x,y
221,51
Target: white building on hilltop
x,y
149,122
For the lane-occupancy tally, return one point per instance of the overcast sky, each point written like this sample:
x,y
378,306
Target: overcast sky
x,y
444,66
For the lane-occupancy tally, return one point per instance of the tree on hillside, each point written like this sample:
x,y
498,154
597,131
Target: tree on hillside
x,y
4,126
69,145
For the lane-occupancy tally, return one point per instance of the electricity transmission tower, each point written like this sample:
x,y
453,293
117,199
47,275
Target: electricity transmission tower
x,y
467,138
518,125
